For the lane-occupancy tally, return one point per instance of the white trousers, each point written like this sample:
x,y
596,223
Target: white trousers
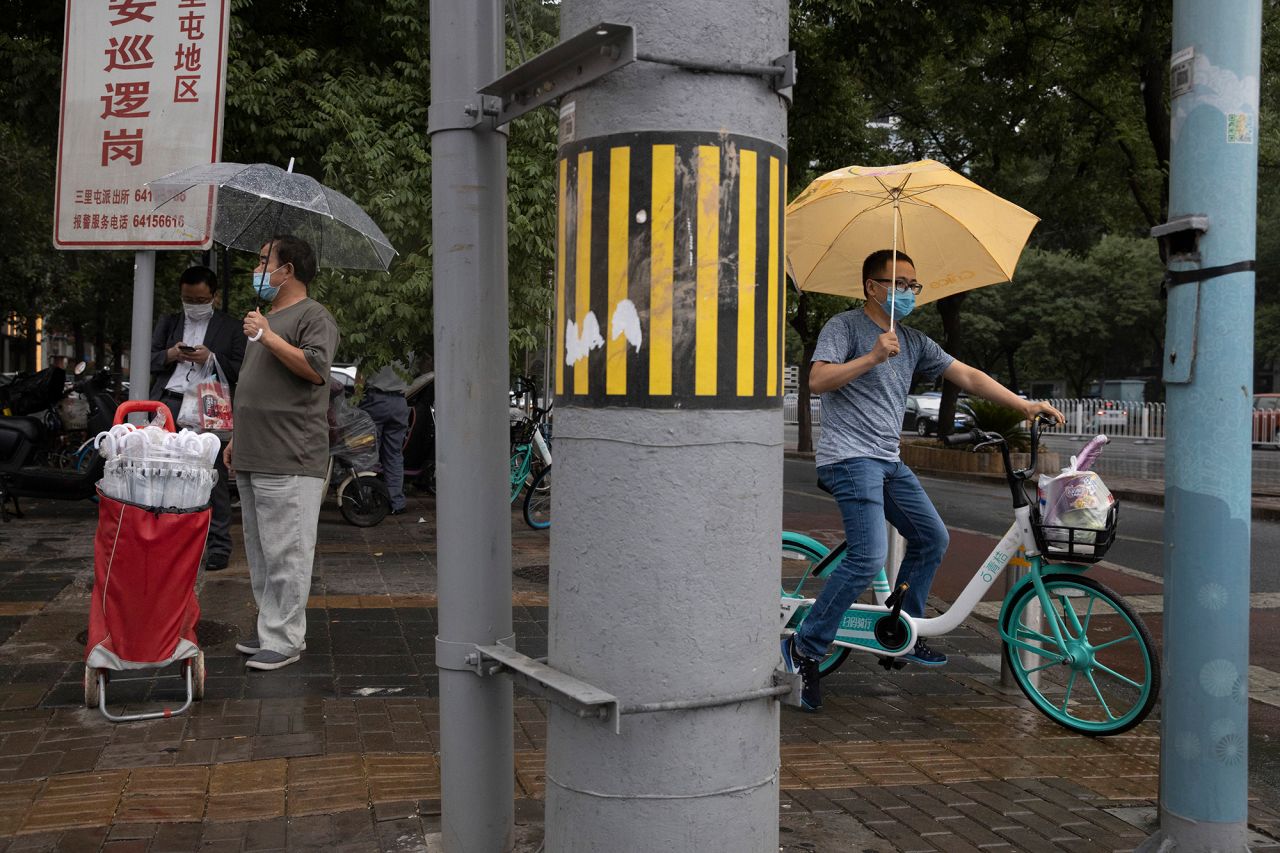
x,y
280,514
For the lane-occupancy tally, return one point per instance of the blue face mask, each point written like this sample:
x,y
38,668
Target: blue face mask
x,y
903,304
262,285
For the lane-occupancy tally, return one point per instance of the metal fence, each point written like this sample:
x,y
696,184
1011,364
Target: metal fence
x,y
1121,418
1088,417
791,409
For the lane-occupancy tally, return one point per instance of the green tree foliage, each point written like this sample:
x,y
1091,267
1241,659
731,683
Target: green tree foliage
x,y
342,86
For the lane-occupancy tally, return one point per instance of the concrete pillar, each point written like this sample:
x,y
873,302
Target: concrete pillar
x,y
668,362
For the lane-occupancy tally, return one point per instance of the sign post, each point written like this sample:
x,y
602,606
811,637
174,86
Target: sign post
x,y
143,85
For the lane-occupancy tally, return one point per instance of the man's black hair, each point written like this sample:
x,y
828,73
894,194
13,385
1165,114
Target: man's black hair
x,y
880,262
296,252
200,275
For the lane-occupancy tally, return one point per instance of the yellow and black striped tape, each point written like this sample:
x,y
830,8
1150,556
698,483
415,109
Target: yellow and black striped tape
x,y
670,290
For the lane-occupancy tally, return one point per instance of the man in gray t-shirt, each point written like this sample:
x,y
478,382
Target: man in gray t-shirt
x,y
280,448
863,368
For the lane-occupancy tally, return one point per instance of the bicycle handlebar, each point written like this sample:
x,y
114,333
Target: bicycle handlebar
x,y
1015,476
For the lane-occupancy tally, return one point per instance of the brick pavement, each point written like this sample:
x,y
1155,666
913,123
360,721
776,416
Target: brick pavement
x,y
341,751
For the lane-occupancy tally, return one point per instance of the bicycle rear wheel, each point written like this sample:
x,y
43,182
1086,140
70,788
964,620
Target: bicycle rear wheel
x,y
799,560
1103,678
537,501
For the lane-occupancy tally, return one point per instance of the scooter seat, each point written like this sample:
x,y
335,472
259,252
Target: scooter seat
x,y
32,429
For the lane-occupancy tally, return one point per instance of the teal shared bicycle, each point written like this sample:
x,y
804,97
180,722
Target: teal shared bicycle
x,y
1078,651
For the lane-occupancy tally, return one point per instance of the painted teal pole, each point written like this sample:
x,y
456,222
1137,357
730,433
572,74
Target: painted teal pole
x,y
1208,373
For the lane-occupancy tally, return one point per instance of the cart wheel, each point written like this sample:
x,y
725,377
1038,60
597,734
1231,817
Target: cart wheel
x,y
197,675
91,691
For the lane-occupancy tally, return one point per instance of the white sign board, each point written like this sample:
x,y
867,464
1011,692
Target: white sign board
x,y
143,85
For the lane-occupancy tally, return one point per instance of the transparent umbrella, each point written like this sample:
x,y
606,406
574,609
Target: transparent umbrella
x,y
258,201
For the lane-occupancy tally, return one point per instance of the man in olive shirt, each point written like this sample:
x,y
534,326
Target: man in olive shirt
x,y
280,449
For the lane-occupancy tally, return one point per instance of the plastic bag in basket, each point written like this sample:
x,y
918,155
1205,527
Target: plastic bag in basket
x,y
1076,499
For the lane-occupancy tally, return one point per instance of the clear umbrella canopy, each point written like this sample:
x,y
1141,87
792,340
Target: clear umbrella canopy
x,y
258,201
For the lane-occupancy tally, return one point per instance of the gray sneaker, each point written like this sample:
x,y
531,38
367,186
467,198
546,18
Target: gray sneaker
x,y
267,659
252,646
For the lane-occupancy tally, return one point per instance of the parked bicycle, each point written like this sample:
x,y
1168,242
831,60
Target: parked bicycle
x,y
530,436
1078,651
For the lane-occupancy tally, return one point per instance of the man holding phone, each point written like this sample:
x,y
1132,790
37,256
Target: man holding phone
x,y
179,345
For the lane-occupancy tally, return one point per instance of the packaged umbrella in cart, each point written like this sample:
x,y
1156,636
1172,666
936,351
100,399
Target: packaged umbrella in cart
x,y
153,518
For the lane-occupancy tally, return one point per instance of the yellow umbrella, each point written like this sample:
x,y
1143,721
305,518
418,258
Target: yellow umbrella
x,y
959,235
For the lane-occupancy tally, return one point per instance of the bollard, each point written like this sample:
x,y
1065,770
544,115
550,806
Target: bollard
x,y
1032,617
893,557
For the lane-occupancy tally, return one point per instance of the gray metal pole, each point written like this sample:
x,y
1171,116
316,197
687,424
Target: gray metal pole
x,y
473,516
1208,373
144,293
668,439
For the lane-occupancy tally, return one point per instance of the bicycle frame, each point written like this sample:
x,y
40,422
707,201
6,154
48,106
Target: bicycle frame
x,y
857,626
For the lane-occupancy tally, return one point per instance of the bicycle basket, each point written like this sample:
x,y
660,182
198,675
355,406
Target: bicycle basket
x,y
521,431
1062,544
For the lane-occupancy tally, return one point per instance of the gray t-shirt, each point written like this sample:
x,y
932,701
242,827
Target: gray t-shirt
x,y
281,419
864,417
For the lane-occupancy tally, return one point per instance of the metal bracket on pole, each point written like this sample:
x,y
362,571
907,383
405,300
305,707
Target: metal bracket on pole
x,y
572,694
782,69
1181,236
462,115
571,64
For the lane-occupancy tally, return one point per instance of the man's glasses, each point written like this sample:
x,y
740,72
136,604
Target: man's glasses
x,y
902,285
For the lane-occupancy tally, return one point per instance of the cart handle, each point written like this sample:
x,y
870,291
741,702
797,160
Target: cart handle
x,y
127,408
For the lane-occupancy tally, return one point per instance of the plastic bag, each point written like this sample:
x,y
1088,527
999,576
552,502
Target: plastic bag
x,y
206,403
1075,498
215,400
352,434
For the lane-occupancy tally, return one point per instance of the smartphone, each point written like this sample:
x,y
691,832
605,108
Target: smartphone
x,y
186,348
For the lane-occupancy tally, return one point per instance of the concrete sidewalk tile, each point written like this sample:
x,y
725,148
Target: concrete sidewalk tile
x,y
169,780
326,784
16,799
248,777
70,802
164,795
402,777
972,831
905,839
175,837
257,805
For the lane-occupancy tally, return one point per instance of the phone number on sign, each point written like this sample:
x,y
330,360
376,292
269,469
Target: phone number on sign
x,y
158,220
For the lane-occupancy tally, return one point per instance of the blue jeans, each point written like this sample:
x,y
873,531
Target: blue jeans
x,y
869,491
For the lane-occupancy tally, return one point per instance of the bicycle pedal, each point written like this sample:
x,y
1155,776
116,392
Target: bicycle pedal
x,y
890,663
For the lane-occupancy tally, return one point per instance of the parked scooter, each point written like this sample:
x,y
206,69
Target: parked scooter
x,y
29,429
420,440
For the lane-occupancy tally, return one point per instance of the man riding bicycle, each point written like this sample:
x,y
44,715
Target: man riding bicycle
x,y
863,370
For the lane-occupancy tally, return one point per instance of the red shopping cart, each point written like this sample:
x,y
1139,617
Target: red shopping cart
x,y
143,611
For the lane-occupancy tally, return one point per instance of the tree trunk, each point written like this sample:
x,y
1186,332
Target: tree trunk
x,y
77,333
1013,370
801,323
949,308
803,413
33,364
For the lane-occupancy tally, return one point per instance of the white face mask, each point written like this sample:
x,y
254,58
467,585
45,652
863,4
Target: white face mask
x,y
195,313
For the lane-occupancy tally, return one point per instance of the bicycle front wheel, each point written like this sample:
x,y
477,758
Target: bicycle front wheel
x,y
1103,677
537,501
799,561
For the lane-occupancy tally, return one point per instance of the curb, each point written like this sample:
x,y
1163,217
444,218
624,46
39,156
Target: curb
x,y
1264,508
